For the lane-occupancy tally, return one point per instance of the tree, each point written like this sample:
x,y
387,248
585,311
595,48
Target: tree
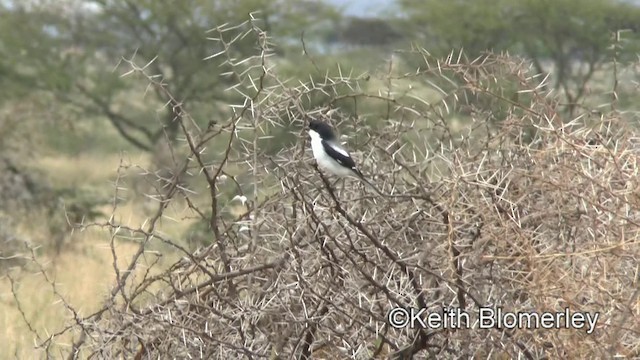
x,y
573,36
27,43
78,43
367,32
473,25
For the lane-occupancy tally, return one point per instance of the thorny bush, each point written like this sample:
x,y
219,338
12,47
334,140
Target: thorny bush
x,y
493,199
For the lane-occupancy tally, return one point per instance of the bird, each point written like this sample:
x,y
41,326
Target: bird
x,y
330,155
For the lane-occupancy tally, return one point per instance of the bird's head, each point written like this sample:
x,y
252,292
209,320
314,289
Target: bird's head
x,y
324,130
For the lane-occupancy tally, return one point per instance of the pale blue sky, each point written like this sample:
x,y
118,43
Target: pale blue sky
x,y
362,7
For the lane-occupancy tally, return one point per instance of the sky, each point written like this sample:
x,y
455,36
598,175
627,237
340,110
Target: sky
x,y
362,8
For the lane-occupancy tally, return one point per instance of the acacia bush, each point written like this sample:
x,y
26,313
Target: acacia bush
x,y
525,210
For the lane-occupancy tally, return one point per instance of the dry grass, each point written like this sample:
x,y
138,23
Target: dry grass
x,y
84,273
85,169
83,276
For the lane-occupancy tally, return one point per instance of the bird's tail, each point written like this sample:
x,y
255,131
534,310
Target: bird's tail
x,y
361,177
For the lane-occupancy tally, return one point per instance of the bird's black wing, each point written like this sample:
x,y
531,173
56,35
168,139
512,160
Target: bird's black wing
x,y
339,154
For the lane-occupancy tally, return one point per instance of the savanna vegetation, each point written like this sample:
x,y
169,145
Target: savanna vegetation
x,y
158,199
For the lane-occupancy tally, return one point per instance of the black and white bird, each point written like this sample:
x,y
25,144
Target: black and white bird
x,y
330,155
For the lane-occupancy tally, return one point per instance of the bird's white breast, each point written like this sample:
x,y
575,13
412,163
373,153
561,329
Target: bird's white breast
x,y
324,160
